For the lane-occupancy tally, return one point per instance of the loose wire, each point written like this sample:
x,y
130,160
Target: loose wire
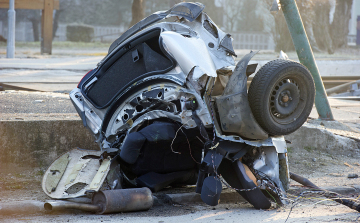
x,y
175,138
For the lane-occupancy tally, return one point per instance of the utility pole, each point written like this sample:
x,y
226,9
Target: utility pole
x,y
306,56
10,52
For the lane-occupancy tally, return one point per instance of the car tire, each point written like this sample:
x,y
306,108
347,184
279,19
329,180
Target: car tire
x,y
281,96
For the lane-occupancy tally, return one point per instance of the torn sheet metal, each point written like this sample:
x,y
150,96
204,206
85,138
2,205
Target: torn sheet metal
x,y
187,54
74,173
233,106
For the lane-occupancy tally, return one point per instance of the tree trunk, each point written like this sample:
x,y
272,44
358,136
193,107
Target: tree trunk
x,y
339,29
321,26
35,25
282,37
138,11
56,22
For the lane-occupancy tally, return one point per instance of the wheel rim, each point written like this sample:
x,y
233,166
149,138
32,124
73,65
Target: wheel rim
x,y
287,99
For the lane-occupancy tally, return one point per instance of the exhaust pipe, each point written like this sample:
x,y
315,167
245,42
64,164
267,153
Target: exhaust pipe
x,y
109,201
62,205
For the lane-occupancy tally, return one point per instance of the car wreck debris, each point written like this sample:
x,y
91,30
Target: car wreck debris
x,y
109,201
167,107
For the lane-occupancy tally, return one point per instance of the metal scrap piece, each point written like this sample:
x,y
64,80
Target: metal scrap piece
x,y
56,172
76,177
100,175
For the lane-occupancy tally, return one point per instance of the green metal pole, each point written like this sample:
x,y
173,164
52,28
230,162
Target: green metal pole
x,y
306,56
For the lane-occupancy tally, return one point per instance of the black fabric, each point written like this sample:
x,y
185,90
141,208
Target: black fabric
x,y
151,37
130,150
113,78
156,154
154,61
235,177
156,181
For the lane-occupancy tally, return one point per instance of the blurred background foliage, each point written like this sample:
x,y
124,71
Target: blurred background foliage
x,y
326,21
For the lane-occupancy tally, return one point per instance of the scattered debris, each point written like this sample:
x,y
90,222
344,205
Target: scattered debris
x,y
336,174
353,175
109,201
351,203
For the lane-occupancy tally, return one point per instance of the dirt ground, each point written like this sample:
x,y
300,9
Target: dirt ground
x,y
325,171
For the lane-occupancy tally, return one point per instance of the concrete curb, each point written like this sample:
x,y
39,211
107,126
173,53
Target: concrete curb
x,y
321,139
34,144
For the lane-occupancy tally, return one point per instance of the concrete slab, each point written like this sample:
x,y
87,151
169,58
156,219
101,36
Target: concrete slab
x,y
58,63
40,76
41,80
36,144
323,140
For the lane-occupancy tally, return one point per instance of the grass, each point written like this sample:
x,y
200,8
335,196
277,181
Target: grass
x,y
19,175
290,149
16,185
39,173
308,148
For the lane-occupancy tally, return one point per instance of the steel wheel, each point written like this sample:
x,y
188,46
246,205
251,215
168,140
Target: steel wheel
x,y
281,96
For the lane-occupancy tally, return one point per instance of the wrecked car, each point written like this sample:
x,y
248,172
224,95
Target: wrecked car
x,y
168,106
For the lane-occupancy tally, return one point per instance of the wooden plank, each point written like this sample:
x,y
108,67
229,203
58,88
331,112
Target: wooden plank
x,y
47,26
28,4
56,4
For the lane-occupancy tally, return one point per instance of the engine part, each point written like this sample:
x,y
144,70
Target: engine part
x,y
109,201
63,205
123,200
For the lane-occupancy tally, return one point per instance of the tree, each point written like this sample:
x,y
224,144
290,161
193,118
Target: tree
x,y
138,11
323,34
249,19
232,14
281,34
339,28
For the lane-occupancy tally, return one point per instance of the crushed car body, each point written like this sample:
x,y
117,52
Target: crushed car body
x,y
168,106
